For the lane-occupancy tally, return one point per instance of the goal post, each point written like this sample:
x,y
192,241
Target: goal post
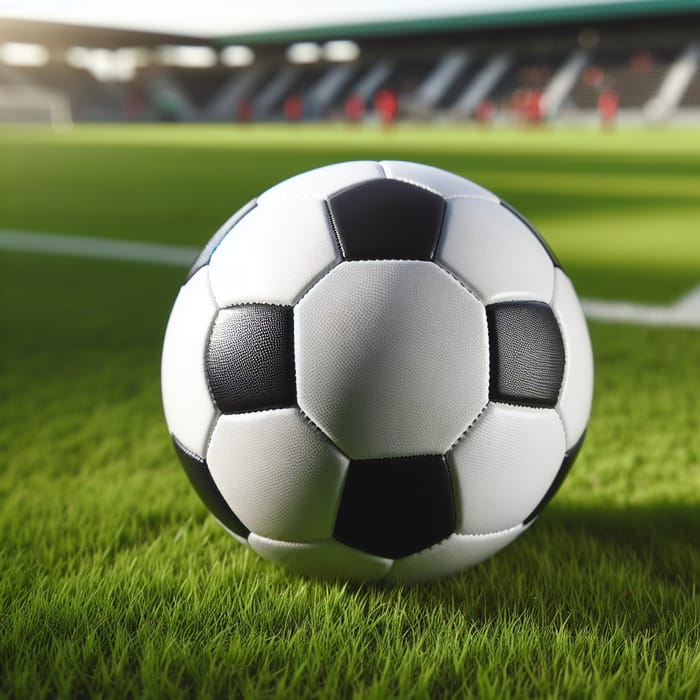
x,y
32,105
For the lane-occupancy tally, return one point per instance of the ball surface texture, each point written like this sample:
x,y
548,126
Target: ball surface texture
x,y
377,370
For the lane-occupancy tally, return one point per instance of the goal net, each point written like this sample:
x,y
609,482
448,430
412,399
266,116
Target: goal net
x,y
31,105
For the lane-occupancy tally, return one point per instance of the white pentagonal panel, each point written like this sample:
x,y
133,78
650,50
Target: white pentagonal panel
x,y
576,394
274,254
494,253
328,559
391,357
187,403
504,465
279,475
455,554
323,182
441,181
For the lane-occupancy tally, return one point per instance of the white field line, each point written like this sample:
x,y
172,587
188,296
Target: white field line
x,y
105,248
677,314
684,313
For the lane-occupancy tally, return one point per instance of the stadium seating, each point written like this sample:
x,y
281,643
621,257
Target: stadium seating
x,y
691,97
634,75
519,78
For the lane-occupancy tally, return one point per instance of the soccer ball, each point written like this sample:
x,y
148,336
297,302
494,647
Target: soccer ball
x,y
377,370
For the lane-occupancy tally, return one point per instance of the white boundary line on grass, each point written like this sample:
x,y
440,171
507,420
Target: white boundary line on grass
x,y
684,313
681,313
105,248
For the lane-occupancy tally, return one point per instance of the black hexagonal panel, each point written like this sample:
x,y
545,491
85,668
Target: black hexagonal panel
x,y
534,231
396,507
386,219
198,473
567,463
526,353
250,358
204,257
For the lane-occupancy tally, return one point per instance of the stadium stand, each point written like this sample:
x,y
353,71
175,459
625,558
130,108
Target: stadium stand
x,y
692,94
518,94
634,75
459,83
199,85
90,99
684,86
631,62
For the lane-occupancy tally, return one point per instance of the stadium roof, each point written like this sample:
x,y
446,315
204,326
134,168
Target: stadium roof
x,y
100,30
65,35
583,12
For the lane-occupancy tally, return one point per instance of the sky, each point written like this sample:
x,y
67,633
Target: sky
x,y
217,17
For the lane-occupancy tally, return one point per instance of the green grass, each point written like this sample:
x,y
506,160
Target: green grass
x,y
618,208
116,582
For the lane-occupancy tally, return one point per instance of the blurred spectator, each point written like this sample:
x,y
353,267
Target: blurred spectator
x,y
354,108
532,106
133,106
485,111
593,76
244,111
642,62
167,108
293,108
386,105
608,104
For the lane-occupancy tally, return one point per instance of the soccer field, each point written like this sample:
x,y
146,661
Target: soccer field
x,y
116,581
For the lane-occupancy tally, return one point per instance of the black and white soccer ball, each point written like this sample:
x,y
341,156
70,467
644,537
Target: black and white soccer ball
x,y
377,370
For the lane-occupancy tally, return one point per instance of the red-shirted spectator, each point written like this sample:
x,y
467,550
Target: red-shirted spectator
x,y
485,111
642,62
244,111
386,105
354,108
293,108
593,76
608,104
533,106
